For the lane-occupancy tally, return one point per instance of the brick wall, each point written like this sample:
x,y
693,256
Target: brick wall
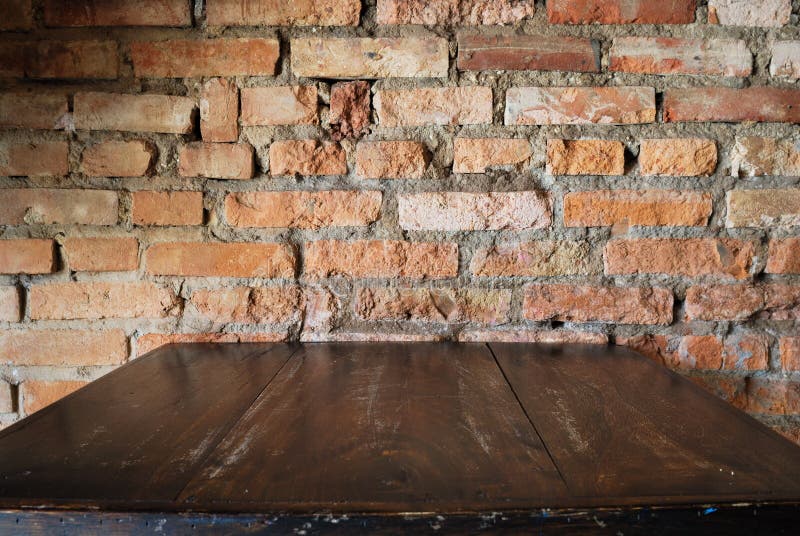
x,y
600,171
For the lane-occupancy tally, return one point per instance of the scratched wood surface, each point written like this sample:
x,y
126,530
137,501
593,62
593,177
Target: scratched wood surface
x,y
387,428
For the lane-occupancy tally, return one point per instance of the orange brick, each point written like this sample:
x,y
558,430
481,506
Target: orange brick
x,y
63,348
534,259
434,305
784,256
281,105
133,113
790,353
390,160
478,52
669,55
773,396
27,256
295,13
32,110
102,254
219,111
153,341
380,259
350,109
306,157
100,299
250,305
10,310
723,104
216,160
46,206
585,157
117,13
118,159
738,351
476,155
621,11
33,159
637,207
740,302
448,13
682,157
580,105
434,106
38,394
167,208
74,59
217,259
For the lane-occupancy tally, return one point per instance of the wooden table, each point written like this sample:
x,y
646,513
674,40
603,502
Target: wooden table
x,y
259,437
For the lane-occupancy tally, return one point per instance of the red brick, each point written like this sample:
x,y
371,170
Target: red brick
x,y
678,157
369,57
543,336
193,58
295,13
57,206
167,208
63,348
580,105
38,394
117,13
637,208
569,303
282,105
133,113
764,13
585,157
454,13
621,11
722,104
350,109
102,254
10,310
773,396
303,210
219,111
27,256
217,259
758,156
34,158
534,259
381,259
740,302
470,211
32,110
690,257
434,106
476,155
153,341
98,300
790,353
767,208
306,157
478,52
250,305
738,351
729,388
669,55
118,159
784,256
785,60
74,59
434,305
391,160
17,15
216,160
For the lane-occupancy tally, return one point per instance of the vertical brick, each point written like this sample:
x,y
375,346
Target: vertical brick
x,y
434,305
306,157
54,206
217,259
27,256
133,113
184,58
768,208
102,254
33,159
758,156
476,155
669,55
74,59
219,111
722,104
636,208
585,157
117,13
580,105
38,394
18,15
784,256
99,299
434,106
764,13
167,208
785,60
621,11
678,157
450,13
350,109
10,309
63,348
296,13
542,258
118,159
390,160
790,353
32,110
282,105
216,160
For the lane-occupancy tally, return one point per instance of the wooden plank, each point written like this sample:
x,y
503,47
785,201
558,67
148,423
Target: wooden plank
x,y
381,427
138,433
624,430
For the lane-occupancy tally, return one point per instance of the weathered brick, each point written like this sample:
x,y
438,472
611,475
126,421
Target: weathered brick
x,y
469,211
434,106
167,208
381,259
38,394
542,258
117,13
219,111
773,396
785,59
350,109
295,13
218,259
669,55
10,310
306,157
133,113
723,104
34,158
303,210
691,257
369,57
784,256
678,157
541,336
73,59
27,256
282,105
740,302
63,348
749,13
478,52
390,160
454,12
585,157
99,299
768,208
580,105
153,341
790,353
32,110
102,254
637,207
250,305
476,155
620,11
50,205
434,305
184,58
738,351
118,159
625,305
754,156
216,160
727,387
17,15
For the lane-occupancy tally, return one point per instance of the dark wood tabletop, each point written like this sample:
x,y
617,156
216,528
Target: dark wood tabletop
x,y
377,429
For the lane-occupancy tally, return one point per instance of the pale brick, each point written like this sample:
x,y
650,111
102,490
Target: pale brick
x,y
790,353
390,160
102,254
216,160
478,52
768,208
117,13
784,256
295,13
219,111
434,305
476,155
33,159
740,302
543,336
38,394
434,106
153,341
724,104
167,208
542,258
758,156
98,300
637,208
118,159
785,59
669,55
32,110
454,12
63,348
678,157
27,256
218,259
193,58
74,59
133,113
621,11
764,13
585,157
58,206
307,157
10,310
282,105
580,105
249,305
